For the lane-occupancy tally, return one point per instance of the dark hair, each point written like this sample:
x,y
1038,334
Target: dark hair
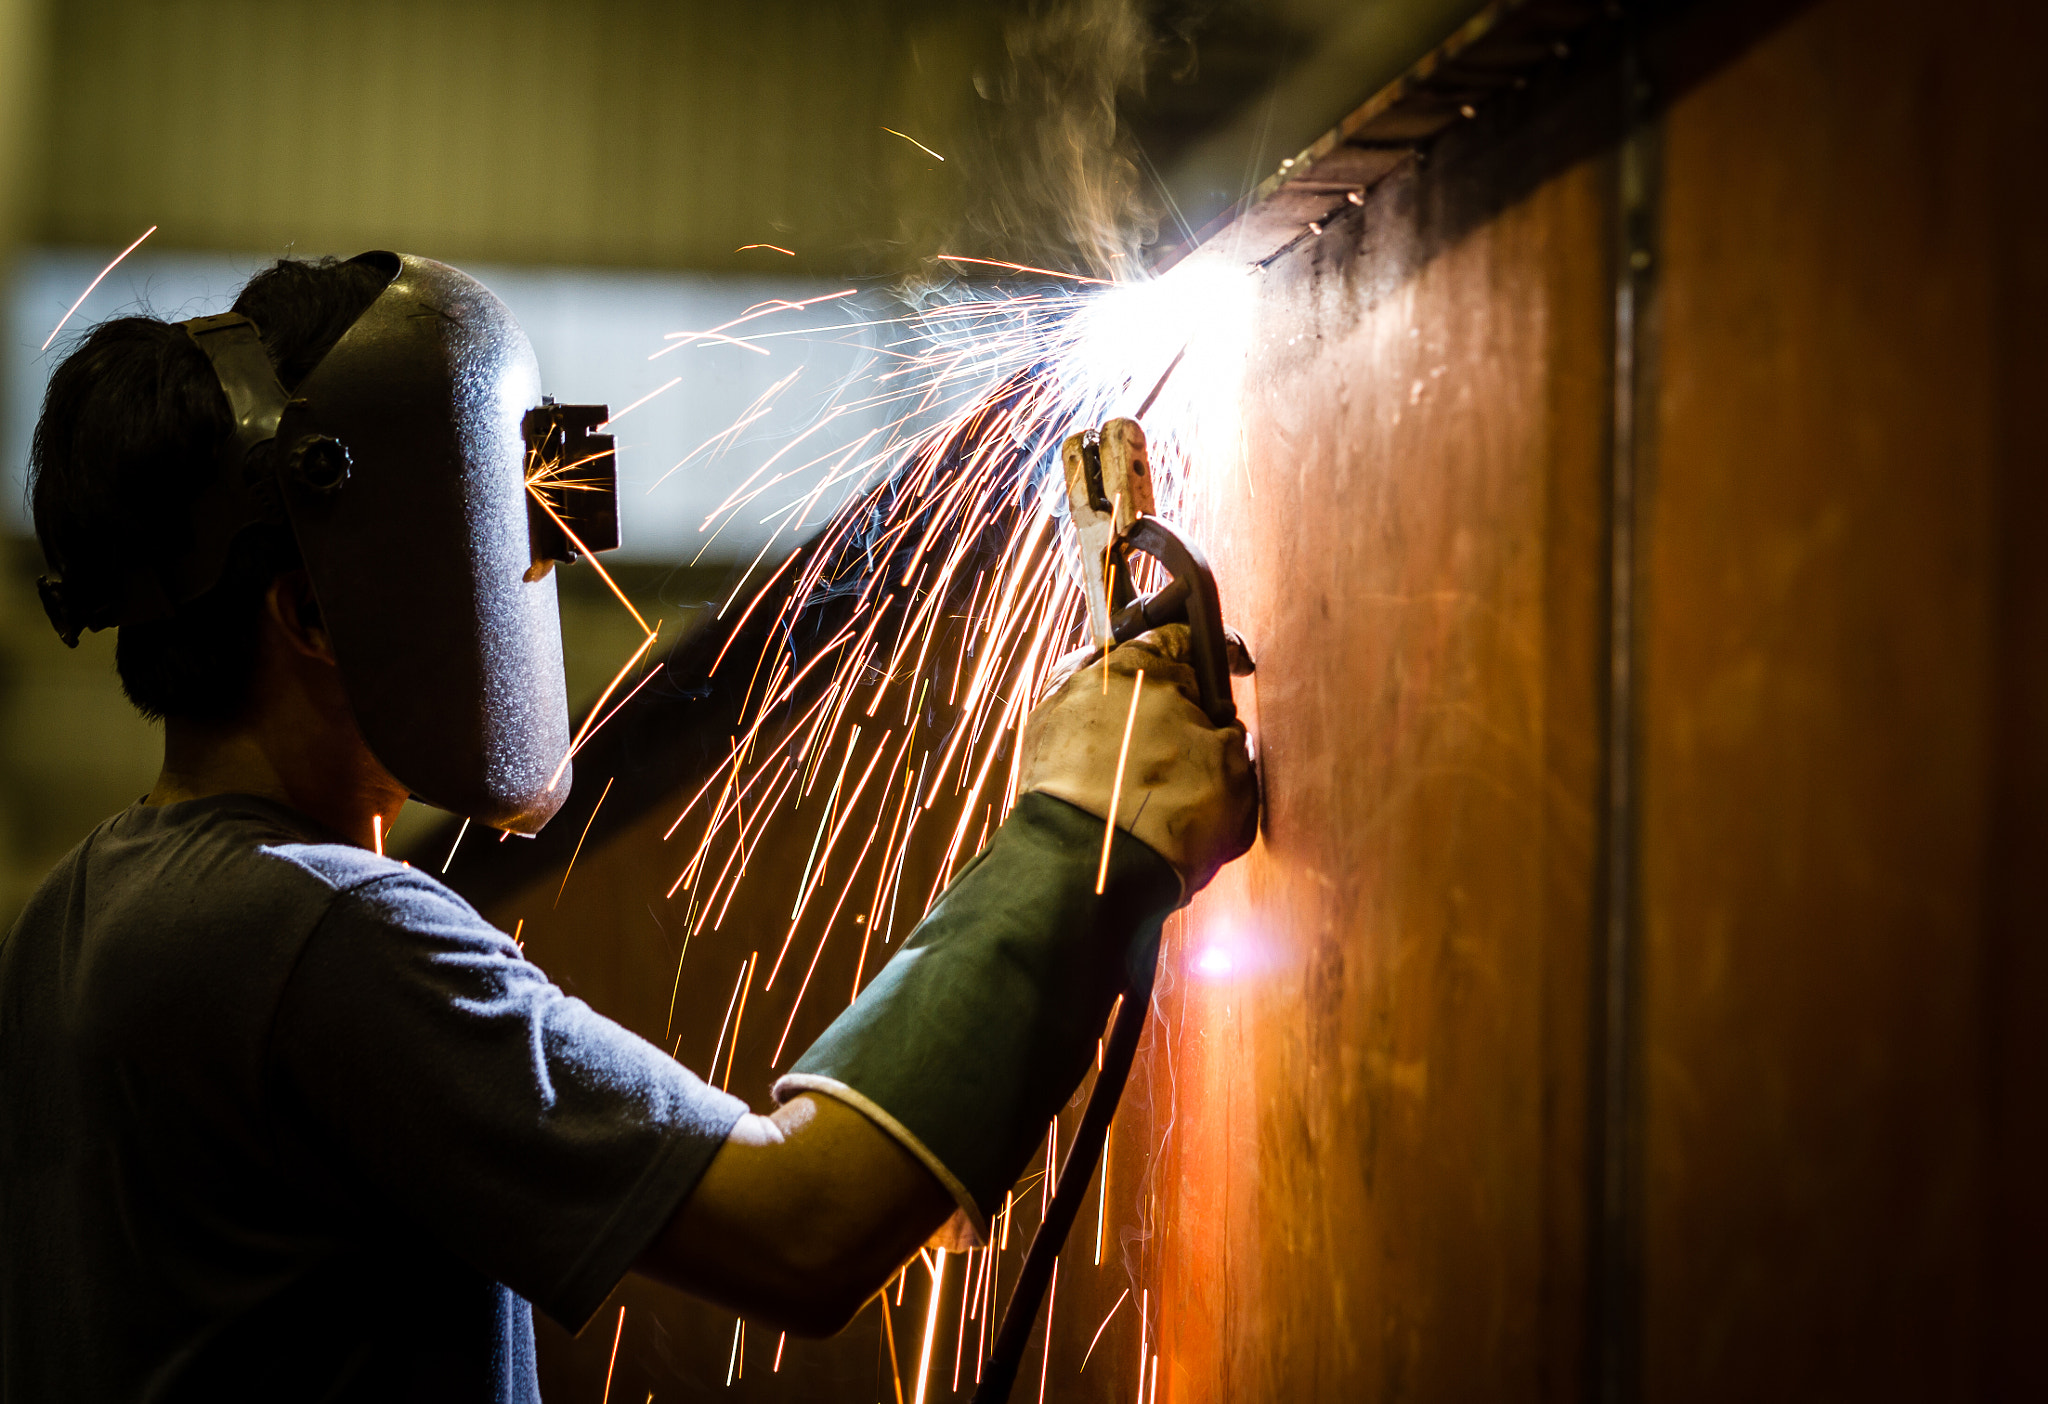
x,y
129,437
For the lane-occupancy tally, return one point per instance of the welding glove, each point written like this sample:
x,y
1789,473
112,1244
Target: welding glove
x,y
974,1036
1179,783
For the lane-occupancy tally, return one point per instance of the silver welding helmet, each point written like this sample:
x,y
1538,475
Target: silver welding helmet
x,y
403,465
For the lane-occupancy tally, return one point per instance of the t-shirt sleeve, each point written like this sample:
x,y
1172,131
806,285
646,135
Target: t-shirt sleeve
x,y
540,1141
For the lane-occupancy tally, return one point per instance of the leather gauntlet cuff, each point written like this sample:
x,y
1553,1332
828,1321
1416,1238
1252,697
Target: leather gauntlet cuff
x,y
970,1040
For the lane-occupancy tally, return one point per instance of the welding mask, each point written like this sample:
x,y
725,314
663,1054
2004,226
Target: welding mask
x,y
402,467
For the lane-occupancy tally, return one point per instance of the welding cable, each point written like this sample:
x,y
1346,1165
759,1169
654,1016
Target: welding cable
x,y
1075,1174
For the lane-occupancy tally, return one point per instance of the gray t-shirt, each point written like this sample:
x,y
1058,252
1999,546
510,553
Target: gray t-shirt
x,y
282,1119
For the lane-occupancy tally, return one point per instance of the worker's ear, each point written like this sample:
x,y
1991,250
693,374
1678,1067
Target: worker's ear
x,y
293,611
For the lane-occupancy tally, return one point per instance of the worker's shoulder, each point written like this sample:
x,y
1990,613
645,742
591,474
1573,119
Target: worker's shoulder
x,y
361,879
343,867
182,923
252,854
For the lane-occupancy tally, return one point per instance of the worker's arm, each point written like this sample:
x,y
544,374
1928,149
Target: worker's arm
x,y
931,1091
801,1218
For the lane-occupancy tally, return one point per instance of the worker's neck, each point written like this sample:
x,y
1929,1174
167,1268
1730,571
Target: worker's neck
x,y
307,762
295,739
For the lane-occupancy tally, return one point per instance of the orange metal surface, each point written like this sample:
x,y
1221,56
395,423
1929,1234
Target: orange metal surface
x,y
1819,668
1371,1129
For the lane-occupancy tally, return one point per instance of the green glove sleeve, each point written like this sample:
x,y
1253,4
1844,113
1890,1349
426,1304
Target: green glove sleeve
x,y
972,1038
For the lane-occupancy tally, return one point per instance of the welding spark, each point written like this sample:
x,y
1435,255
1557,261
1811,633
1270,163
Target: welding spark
x,y
1052,1147
931,1321
756,411
1024,268
1144,1325
536,486
777,247
914,142
718,338
93,284
981,1331
589,725
455,845
606,426
889,1334
719,1046
1102,1189
966,1295
746,984
677,988
652,673
617,1335
1052,1294
678,340
1104,1327
1116,789
579,841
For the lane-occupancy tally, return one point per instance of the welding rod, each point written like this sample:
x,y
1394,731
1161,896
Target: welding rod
x,y
1164,376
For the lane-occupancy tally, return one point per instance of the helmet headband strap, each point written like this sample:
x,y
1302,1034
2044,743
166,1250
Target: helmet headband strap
x,y
240,494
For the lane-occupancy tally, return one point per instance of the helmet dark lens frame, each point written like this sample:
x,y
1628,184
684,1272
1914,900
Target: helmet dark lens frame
x,y
572,482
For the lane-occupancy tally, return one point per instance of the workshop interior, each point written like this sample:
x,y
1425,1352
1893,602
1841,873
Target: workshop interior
x,y
1590,444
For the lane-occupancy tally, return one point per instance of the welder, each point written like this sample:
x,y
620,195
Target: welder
x,y
283,1118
